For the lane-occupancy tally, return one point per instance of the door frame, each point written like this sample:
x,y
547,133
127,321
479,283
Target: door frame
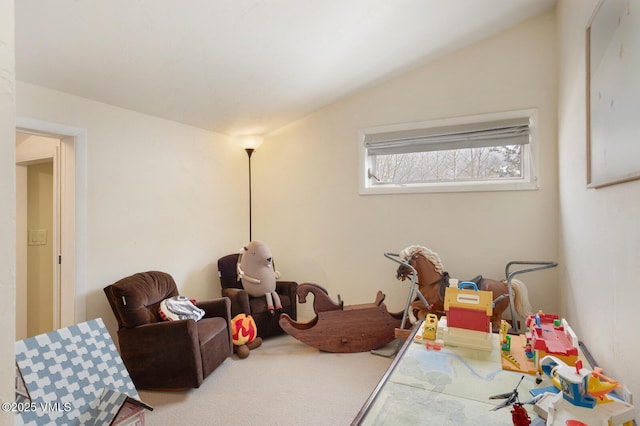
x,y
73,216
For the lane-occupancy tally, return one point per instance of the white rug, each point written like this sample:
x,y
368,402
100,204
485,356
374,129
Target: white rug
x,y
284,382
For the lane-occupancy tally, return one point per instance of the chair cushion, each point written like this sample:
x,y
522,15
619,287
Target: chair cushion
x,y
136,299
215,342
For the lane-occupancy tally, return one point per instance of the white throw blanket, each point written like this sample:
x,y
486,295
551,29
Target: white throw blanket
x,y
179,308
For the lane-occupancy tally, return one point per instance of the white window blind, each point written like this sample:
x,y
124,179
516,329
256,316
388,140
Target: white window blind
x,y
474,135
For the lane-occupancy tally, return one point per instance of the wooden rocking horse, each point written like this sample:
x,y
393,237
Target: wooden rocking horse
x,y
433,281
339,328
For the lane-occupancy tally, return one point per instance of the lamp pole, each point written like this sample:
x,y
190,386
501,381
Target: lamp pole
x,y
250,143
249,153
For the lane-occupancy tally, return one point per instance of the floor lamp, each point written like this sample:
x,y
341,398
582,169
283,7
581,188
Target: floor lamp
x,y
250,144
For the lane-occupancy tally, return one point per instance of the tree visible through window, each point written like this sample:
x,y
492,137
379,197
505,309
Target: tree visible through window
x,y
485,163
488,152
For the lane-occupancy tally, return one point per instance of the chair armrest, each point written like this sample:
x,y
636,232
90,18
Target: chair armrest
x,y
220,307
287,287
239,300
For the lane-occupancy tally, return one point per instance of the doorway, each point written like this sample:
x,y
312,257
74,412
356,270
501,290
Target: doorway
x,y
37,235
72,257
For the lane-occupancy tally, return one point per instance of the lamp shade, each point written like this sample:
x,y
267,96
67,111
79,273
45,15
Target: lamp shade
x,y
251,141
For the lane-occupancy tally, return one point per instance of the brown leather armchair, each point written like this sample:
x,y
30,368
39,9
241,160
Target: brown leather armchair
x,y
167,354
241,302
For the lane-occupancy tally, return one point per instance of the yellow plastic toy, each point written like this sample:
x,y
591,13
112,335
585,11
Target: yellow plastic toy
x,y
430,327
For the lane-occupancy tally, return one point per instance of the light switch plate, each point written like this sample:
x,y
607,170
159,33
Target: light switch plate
x,y
37,237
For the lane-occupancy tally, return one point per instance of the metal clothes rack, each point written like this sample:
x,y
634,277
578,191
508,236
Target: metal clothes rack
x,y
509,276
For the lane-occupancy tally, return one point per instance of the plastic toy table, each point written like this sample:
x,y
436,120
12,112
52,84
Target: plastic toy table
x,y
450,386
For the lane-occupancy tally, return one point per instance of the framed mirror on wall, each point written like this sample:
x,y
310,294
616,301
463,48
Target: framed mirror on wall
x,y
613,93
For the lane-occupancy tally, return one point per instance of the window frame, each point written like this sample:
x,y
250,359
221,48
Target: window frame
x,y
529,180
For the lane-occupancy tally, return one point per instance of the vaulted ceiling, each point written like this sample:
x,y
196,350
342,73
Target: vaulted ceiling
x,y
242,66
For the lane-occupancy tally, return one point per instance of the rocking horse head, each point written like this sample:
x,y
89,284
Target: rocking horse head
x,y
432,279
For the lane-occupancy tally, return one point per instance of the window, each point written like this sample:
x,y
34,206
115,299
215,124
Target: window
x,y
489,152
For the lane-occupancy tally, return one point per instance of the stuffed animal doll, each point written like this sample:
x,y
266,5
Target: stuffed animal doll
x,y
255,270
244,335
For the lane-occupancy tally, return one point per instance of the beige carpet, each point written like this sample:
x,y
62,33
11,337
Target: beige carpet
x,y
284,382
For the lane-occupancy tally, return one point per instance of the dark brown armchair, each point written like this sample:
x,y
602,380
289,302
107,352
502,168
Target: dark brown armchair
x,y
167,354
242,302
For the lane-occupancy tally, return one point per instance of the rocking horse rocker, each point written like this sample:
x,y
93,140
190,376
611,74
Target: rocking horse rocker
x,y
432,281
339,328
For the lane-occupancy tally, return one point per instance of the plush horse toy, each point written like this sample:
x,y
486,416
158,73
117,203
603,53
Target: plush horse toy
x,y
258,276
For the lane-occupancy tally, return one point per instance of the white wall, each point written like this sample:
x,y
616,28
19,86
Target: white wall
x,y
160,195
600,230
307,206
7,207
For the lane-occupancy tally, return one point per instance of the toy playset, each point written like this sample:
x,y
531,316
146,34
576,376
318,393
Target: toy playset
x,y
580,395
468,317
550,335
514,356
